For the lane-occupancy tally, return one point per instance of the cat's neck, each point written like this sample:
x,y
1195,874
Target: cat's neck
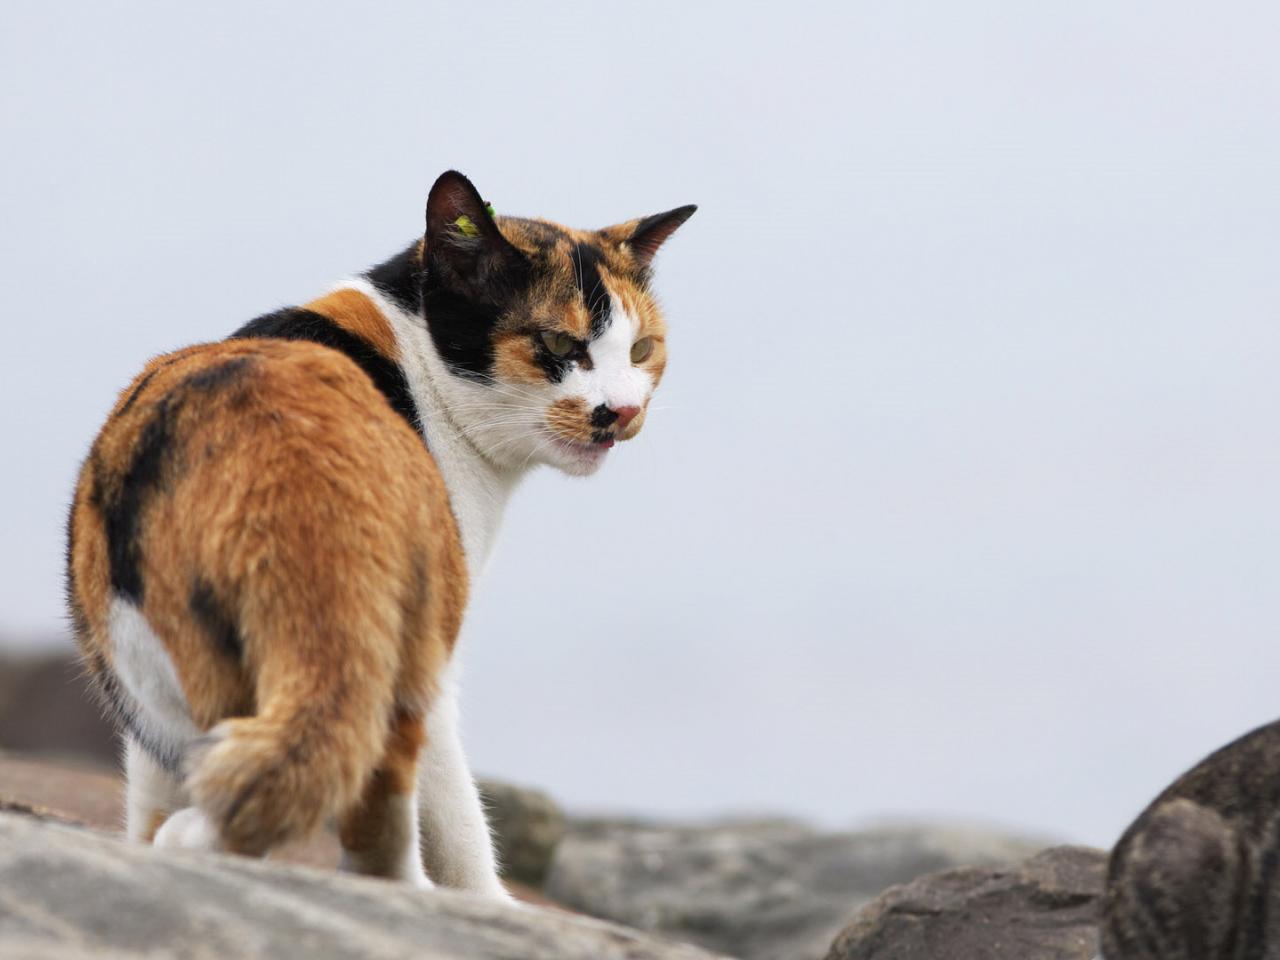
x,y
478,488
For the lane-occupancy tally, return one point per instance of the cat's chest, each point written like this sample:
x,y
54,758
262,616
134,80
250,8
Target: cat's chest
x,y
477,495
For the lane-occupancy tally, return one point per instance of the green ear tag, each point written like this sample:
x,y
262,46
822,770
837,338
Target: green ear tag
x,y
464,224
488,208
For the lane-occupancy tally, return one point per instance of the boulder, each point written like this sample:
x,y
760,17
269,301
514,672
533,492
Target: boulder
x,y
762,890
527,826
69,893
1044,909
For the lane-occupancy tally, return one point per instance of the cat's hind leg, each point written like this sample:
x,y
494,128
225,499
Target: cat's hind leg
x,y
379,834
152,793
157,809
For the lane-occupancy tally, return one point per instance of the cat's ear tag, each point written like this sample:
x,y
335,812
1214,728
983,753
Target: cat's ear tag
x,y
464,247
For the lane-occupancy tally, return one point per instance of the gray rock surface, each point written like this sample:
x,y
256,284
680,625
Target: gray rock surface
x,y
68,893
765,890
527,827
1044,909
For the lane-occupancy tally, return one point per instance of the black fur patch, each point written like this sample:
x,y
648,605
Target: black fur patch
x,y
400,278
556,367
586,273
213,616
122,502
122,514
462,331
295,323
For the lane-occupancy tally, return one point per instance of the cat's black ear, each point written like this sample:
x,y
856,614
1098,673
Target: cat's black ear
x,y
464,247
643,237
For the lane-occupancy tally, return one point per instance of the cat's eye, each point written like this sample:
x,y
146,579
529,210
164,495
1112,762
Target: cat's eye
x,y
641,349
560,344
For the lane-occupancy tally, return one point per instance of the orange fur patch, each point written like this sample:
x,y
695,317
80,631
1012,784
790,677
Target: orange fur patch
x,y
570,418
364,825
514,359
353,311
317,523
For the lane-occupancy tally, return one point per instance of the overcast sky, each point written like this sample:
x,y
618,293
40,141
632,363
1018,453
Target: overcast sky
x,y
961,494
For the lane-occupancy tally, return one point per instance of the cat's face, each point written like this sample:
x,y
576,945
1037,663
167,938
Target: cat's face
x,y
552,338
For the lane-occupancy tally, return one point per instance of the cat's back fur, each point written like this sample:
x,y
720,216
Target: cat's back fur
x,y
285,497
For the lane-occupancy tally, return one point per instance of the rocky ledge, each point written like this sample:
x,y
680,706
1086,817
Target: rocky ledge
x,y
764,890
1044,909
69,893
758,890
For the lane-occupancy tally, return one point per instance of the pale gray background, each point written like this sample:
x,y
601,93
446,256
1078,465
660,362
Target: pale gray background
x,y
962,496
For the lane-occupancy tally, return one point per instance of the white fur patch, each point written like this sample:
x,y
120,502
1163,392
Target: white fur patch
x,y
140,660
456,844
478,489
149,790
613,379
188,829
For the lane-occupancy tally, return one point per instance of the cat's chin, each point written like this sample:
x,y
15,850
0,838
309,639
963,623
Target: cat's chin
x,y
577,459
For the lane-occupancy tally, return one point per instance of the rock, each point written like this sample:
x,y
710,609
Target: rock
x,y
1044,909
70,893
67,792
47,707
764,890
527,827
88,797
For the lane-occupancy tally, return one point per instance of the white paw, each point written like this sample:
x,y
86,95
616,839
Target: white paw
x,y
188,829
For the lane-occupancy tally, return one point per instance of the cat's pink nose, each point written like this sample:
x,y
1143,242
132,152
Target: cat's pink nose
x,y
625,415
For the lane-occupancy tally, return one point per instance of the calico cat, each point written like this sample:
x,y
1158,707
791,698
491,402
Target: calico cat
x,y
1195,876
272,537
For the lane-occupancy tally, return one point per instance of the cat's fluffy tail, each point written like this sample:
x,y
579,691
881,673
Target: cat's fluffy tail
x,y
303,760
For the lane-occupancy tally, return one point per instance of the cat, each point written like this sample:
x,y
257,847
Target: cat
x,y
272,538
1194,877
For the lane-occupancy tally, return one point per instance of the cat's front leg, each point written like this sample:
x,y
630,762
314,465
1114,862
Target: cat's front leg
x,y
456,844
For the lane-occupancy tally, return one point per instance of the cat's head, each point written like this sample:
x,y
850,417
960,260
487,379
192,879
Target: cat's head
x,y
551,336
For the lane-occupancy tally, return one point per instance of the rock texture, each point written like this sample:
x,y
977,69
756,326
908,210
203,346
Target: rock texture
x,y
70,894
768,890
1045,909
527,823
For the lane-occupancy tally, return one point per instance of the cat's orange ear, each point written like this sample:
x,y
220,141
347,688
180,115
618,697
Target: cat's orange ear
x,y
643,237
464,246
